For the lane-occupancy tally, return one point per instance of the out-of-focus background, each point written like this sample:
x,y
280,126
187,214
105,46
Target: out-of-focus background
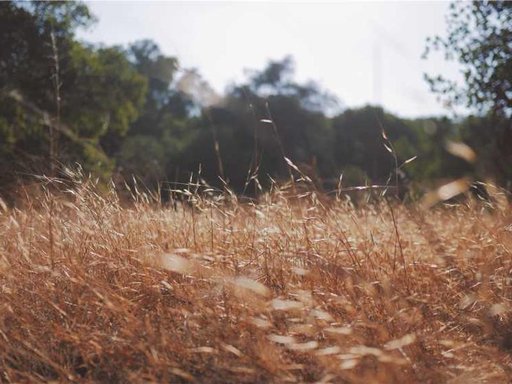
x,y
362,92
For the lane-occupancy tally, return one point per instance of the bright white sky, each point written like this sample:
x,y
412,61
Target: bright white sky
x,y
363,52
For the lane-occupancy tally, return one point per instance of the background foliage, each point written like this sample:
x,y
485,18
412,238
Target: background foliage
x,y
133,111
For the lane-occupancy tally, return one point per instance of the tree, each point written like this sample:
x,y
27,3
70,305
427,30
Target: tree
x,y
479,37
156,139
359,142
58,92
270,116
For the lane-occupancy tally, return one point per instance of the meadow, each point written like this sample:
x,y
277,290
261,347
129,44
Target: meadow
x,y
95,288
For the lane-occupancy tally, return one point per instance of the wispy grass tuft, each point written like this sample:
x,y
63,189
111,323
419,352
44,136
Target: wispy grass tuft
x,y
213,290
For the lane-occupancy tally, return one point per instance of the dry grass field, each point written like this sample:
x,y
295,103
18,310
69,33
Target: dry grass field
x,y
93,289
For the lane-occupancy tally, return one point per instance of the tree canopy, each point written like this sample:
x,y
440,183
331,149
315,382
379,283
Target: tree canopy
x,y
479,38
134,112
50,82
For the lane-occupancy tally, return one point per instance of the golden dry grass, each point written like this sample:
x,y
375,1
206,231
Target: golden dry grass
x,y
280,291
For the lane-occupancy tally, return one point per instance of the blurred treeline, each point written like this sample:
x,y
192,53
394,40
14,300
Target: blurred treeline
x,y
132,111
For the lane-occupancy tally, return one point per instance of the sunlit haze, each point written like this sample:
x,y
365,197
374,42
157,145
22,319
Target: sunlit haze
x,y
363,52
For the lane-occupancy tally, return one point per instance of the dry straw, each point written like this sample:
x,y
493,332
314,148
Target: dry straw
x,y
284,290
